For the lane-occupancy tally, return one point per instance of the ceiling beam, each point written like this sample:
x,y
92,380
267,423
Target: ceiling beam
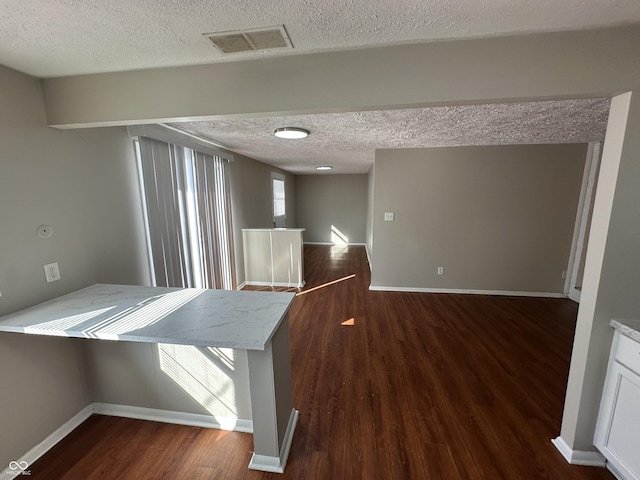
x,y
556,65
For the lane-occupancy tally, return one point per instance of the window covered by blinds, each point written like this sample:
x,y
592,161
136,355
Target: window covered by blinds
x,y
188,216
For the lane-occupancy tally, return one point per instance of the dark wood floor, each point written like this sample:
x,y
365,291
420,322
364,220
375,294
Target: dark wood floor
x,y
412,386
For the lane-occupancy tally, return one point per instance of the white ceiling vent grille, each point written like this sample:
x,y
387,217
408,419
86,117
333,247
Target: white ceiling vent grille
x,y
253,40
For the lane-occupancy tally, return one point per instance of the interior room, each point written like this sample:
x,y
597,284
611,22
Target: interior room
x,y
466,209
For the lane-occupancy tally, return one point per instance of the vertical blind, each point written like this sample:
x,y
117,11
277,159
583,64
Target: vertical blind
x,y
188,216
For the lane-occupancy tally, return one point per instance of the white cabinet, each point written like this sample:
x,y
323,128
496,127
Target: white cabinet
x,y
273,257
618,429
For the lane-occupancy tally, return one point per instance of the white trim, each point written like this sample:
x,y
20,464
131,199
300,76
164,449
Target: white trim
x,y
587,196
279,221
366,249
579,457
573,253
145,213
275,284
332,244
508,293
168,134
48,443
288,436
199,140
615,472
241,286
277,464
574,294
170,416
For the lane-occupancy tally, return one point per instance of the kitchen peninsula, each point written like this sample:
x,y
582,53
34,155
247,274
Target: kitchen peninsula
x,y
256,322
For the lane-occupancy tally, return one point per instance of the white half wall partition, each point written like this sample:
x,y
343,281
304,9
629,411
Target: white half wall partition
x,y
273,257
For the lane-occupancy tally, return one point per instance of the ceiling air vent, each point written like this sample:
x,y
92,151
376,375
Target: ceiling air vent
x,y
253,40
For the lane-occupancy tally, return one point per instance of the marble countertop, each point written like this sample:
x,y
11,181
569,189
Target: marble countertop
x,y
630,328
202,317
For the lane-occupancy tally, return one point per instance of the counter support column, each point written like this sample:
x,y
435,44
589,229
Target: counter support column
x,y
274,418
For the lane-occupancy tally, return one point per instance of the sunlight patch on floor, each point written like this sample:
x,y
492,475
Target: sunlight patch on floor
x,y
326,284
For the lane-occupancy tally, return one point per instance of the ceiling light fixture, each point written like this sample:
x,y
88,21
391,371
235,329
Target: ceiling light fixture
x,y
291,132
324,167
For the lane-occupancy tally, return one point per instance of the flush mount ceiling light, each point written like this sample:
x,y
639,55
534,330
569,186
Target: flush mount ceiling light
x,y
324,167
291,132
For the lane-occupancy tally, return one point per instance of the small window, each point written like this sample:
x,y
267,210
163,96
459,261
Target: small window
x,y
277,189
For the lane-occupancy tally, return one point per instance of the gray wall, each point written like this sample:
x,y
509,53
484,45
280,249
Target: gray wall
x,y
77,182
326,201
567,64
251,201
84,184
179,378
496,218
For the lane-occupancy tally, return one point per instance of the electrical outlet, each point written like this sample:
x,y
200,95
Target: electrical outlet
x,y
388,216
564,274
440,270
51,272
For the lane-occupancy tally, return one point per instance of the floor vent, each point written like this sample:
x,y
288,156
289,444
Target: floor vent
x,y
253,40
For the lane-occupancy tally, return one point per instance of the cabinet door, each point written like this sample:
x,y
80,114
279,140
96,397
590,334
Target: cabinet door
x,y
618,429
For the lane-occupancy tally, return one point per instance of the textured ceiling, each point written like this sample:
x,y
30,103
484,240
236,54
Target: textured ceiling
x,y
49,38
347,141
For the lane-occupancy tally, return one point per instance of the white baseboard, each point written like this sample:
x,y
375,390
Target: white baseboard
x,y
169,416
274,284
21,465
241,286
366,249
579,457
332,244
266,463
508,293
